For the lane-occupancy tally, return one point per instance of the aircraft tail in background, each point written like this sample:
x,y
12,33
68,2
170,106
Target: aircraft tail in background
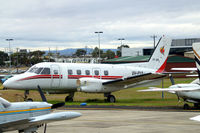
x,y
196,49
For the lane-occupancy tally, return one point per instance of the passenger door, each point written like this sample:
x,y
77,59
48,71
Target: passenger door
x,y
55,76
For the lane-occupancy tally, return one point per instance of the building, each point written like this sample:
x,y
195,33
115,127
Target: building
x,y
179,46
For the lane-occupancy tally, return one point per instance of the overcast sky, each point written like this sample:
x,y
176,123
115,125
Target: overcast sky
x,y
39,24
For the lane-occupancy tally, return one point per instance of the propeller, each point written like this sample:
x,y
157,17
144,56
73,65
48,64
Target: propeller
x,y
171,79
54,106
45,128
173,83
42,94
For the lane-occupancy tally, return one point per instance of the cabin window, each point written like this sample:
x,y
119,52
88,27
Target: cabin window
x,y
78,72
46,71
96,72
105,72
70,72
55,72
133,73
87,72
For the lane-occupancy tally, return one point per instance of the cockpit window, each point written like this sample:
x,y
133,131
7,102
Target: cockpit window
x,y
32,69
37,71
46,71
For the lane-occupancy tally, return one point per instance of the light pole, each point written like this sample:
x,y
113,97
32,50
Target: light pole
x,y
99,32
9,50
17,58
121,39
154,40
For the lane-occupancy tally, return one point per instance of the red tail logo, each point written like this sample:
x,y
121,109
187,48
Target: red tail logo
x,y
162,50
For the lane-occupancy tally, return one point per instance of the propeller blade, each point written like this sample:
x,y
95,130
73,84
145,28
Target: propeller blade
x,y
171,79
57,105
42,94
45,127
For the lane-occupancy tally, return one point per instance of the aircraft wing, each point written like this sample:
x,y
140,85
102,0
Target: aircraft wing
x,y
170,89
134,79
34,121
13,125
184,69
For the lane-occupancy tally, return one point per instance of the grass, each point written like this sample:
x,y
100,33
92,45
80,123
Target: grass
x,y
127,97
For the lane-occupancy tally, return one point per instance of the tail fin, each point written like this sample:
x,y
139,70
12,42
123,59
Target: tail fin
x,y
4,102
158,60
196,49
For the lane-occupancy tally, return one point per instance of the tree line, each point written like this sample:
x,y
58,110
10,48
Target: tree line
x,y
31,58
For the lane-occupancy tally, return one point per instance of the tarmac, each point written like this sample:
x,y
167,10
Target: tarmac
x,y
127,121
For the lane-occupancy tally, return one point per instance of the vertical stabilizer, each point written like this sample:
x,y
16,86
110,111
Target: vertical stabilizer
x,y
196,49
4,102
158,60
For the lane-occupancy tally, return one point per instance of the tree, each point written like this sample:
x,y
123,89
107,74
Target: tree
x,y
119,51
3,57
80,52
110,54
95,52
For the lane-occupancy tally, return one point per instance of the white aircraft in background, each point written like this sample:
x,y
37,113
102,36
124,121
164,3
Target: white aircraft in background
x,y
188,92
27,117
93,78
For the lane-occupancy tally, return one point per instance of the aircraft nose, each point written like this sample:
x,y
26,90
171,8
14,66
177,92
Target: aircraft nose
x,y
10,84
7,84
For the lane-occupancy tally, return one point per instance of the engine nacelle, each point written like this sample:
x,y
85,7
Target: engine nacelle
x,y
90,85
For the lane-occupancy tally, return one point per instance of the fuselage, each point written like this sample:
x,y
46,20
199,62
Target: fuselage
x,y
21,111
63,76
188,95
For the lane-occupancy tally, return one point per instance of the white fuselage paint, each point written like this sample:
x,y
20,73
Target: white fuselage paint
x,y
61,78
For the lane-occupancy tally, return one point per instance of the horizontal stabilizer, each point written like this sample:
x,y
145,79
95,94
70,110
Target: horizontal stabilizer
x,y
55,117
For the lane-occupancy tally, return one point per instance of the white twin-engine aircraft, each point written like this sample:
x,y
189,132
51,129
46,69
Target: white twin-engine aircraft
x,y
93,78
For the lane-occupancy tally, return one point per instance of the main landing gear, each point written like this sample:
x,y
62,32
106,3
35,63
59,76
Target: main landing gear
x,y
110,98
26,93
186,106
70,97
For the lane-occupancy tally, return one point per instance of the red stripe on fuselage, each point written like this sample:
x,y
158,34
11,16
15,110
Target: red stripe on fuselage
x,y
42,77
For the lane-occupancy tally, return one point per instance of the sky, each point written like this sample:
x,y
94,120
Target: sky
x,y
44,24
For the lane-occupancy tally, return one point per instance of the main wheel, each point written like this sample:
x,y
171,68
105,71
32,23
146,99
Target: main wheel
x,y
68,99
186,106
29,100
111,99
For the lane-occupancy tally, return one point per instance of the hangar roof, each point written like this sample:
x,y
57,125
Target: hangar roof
x,y
128,59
